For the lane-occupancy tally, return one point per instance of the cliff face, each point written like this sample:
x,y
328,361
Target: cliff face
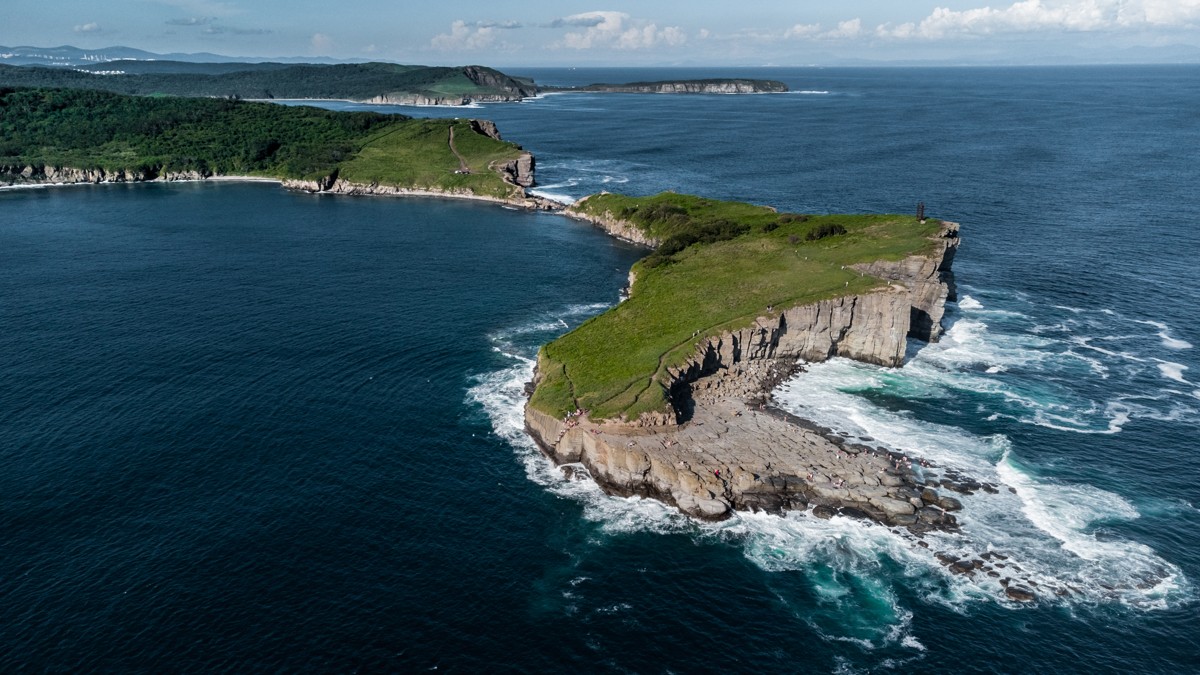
x,y
345,187
930,280
719,451
498,88
610,223
33,174
736,86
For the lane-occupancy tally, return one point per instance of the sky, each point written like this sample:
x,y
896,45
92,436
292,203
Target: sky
x,y
622,33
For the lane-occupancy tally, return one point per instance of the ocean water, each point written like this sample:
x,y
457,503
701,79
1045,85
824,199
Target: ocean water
x,y
244,429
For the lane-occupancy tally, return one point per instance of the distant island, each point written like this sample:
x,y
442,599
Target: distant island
x,y
702,86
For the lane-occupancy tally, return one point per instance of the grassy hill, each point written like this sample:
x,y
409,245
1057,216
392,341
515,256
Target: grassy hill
x,y
719,266
154,135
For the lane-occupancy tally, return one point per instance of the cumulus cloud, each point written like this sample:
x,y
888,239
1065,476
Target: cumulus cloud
x,y
803,30
1049,15
91,27
845,30
471,35
616,30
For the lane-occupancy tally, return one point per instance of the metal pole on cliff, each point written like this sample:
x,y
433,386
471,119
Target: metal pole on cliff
x,y
921,212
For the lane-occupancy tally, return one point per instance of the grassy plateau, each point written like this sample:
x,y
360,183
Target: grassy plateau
x,y
719,266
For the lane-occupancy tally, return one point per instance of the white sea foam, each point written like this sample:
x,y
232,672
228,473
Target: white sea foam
x,y
1164,334
967,302
559,197
1172,370
1048,528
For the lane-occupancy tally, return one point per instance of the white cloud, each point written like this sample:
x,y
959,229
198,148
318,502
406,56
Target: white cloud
x,y
1182,13
91,27
845,30
803,30
321,44
616,30
465,36
1027,16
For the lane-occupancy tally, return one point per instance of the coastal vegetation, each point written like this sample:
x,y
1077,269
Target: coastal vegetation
x,y
153,136
352,81
719,266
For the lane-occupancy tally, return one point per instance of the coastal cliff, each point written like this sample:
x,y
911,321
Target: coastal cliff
x,y
723,448
615,226
55,175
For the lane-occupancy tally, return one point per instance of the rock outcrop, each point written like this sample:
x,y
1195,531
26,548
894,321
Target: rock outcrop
x,y
62,175
609,222
724,448
519,171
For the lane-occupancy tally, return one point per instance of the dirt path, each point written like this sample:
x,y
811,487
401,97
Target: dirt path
x,y
463,167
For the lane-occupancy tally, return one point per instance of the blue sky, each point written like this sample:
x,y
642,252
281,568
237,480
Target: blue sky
x,y
649,32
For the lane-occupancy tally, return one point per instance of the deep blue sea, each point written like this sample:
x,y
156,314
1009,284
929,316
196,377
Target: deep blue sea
x,y
247,430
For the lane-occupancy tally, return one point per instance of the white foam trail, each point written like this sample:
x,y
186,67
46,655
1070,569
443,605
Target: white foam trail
x,y
559,197
1164,334
1172,371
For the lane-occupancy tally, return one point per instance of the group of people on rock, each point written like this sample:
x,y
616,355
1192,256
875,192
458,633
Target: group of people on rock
x,y
570,421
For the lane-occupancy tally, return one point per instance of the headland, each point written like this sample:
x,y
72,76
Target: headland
x,y
667,395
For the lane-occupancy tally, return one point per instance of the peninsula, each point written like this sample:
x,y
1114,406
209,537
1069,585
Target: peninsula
x,y
83,136
731,301
387,83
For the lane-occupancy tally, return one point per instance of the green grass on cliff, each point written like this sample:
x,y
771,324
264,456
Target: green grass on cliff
x,y
615,363
99,130
417,153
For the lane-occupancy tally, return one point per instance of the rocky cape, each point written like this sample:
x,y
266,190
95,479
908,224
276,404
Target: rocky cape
x,y
706,86
724,447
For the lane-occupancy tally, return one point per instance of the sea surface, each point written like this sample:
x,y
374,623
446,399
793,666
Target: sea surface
x,y
248,430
